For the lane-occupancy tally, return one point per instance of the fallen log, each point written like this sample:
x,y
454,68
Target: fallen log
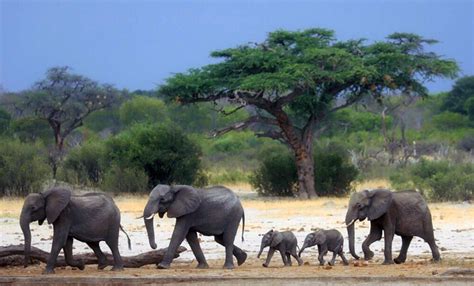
x,y
12,255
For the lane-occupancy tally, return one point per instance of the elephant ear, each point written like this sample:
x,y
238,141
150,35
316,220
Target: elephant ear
x,y
186,200
277,238
320,237
56,200
380,201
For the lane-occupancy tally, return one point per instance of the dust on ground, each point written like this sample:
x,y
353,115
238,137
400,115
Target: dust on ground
x,y
454,231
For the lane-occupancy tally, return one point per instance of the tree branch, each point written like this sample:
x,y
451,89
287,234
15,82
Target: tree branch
x,y
244,124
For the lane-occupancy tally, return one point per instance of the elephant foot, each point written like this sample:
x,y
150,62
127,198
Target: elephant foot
x,y
436,260
162,265
400,260
265,265
368,255
345,263
101,266
387,262
331,263
48,271
229,266
300,262
117,268
241,258
202,266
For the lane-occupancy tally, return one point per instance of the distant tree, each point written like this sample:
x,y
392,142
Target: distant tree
x,y
295,80
142,109
5,119
459,99
64,100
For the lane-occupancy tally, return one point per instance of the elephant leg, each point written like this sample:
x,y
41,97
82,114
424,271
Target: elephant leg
x,y
59,241
269,257
113,245
282,251
403,251
333,259
434,250
179,233
229,237
344,260
374,235
68,255
295,255
288,259
238,253
388,237
196,248
101,258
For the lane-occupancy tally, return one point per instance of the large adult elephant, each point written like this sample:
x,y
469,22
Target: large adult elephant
x,y
403,213
212,211
89,218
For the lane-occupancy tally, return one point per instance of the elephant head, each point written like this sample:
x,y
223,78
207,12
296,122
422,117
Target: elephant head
x,y
366,204
272,239
315,238
38,207
176,201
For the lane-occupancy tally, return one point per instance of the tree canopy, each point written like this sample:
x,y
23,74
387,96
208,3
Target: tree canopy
x,y
295,79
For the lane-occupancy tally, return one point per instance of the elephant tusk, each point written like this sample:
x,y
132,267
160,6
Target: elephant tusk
x,y
352,222
150,217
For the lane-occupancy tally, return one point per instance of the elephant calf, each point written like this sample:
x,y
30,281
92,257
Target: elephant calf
x,y
326,240
285,242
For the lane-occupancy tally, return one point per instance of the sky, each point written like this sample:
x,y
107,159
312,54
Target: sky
x,y
138,44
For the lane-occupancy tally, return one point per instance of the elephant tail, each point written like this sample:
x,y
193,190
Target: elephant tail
x,y
243,225
128,238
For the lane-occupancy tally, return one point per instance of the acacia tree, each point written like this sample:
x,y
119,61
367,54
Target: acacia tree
x,y
295,80
64,100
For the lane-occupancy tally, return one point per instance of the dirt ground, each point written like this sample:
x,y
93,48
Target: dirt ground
x,y
453,222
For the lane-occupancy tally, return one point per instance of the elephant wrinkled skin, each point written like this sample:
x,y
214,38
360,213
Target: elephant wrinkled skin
x,y
285,242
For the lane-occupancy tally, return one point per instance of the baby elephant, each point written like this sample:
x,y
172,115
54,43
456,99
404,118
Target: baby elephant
x,y
331,240
285,242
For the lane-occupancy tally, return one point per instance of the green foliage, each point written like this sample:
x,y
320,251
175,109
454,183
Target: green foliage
x,y
119,179
143,109
22,168
276,175
438,180
30,129
5,119
85,165
104,119
165,154
463,90
450,120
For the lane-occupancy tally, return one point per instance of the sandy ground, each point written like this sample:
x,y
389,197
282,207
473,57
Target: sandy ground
x,y
453,222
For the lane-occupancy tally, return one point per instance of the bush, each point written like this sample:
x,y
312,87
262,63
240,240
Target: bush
x,y
277,172
84,165
450,120
164,153
437,180
22,168
125,180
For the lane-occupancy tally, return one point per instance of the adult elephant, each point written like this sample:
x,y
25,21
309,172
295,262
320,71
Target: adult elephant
x,y
89,218
403,213
215,211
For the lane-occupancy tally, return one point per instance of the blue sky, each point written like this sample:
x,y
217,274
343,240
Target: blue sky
x,y
137,44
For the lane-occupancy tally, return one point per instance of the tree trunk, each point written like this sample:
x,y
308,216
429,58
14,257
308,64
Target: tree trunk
x,y
305,171
10,256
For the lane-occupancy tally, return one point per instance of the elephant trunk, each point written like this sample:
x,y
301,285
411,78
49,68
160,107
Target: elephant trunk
x,y
350,232
302,248
25,228
148,215
261,250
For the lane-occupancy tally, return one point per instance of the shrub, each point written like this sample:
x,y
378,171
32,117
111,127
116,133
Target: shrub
x,y
22,168
125,180
450,120
164,153
437,180
467,143
277,172
84,165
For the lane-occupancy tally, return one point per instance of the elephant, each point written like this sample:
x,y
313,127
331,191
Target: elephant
x,y
326,240
285,242
213,211
403,213
89,218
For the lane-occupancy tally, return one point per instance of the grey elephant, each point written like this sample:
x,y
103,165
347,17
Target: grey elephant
x,y
214,211
403,213
285,242
89,218
326,240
